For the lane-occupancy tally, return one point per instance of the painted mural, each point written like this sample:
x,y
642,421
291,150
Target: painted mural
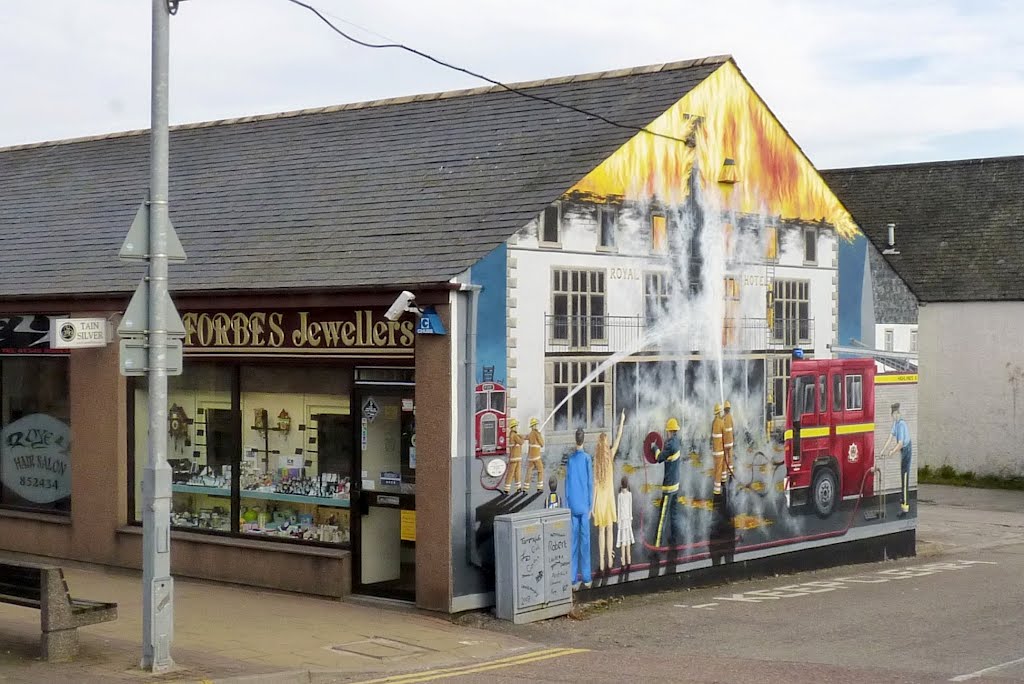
x,y
666,332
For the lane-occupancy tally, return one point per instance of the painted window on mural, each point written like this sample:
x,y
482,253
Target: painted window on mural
x,y
731,322
578,307
659,234
792,324
854,392
655,296
889,336
772,246
607,219
810,245
780,385
837,392
35,434
913,341
550,222
586,408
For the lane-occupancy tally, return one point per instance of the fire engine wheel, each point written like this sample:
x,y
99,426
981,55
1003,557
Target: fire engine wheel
x,y
824,491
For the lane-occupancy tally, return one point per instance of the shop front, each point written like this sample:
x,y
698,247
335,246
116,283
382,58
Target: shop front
x,y
292,439
297,427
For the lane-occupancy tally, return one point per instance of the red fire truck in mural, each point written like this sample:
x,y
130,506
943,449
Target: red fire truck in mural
x,y
830,432
490,419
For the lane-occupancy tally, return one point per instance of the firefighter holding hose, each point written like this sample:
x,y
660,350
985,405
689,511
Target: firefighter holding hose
x,y
718,448
515,458
901,434
669,455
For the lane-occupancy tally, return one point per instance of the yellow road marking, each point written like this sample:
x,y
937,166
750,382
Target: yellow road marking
x,y
512,661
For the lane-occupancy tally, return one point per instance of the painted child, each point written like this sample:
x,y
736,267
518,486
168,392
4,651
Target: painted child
x,y
553,500
625,516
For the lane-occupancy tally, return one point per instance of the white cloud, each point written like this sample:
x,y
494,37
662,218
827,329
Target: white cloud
x,y
855,83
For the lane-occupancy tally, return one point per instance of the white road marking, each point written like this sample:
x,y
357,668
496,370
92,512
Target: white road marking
x,y
824,586
700,606
979,673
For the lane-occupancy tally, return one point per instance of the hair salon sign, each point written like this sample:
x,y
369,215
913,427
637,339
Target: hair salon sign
x,y
35,461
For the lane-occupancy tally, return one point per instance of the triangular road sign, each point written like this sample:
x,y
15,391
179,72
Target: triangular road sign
x,y
136,317
136,244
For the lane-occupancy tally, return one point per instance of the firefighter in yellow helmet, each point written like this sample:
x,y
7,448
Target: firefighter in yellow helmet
x,y
727,439
718,448
535,463
668,527
515,457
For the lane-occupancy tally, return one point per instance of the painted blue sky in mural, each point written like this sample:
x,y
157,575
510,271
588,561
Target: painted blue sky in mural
x,y
855,83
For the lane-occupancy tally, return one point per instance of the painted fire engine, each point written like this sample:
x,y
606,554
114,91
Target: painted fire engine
x,y
830,432
490,419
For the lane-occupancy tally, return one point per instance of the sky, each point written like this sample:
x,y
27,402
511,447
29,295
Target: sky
x,y
855,83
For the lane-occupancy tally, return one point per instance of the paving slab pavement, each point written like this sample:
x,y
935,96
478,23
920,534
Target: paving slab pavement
x,y
225,632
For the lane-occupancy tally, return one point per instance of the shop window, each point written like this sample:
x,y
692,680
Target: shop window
x,y
607,219
587,408
35,434
550,220
854,392
578,305
810,245
262,451
659,234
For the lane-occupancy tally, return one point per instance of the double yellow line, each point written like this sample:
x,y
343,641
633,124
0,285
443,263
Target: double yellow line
x,y
512,661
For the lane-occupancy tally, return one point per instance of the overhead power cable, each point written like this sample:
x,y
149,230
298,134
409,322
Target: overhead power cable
x,y
454,67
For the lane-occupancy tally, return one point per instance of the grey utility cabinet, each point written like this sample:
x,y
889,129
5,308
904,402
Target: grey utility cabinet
x,y
532,565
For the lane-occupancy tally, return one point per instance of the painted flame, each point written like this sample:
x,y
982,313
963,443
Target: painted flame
x,y
727,120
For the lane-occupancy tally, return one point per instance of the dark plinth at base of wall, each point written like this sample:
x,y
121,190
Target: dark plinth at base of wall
x,y
872,550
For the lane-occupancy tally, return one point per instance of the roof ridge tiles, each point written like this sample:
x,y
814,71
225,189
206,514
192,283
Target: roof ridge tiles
x,y
403,99
925,164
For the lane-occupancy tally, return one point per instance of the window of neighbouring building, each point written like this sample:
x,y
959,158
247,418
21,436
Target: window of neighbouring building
x,y
578,306
35,433
659,234
607,217
587,408
889,335
913,341
550,224
655,296
255,450
791,322
810,245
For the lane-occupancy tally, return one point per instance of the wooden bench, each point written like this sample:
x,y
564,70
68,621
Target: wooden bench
x,y
43,587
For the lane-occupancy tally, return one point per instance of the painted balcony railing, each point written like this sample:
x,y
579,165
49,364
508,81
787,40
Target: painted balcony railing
x,y
610,334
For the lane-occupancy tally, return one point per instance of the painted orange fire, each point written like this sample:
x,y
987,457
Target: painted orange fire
x,y
725,119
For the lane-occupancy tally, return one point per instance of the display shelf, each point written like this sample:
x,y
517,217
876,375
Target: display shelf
x,y
296,498
267,496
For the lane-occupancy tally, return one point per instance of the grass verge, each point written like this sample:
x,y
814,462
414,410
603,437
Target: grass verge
x,y
948,475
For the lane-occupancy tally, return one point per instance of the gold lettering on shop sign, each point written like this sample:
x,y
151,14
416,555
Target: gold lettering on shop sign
x,y
260,329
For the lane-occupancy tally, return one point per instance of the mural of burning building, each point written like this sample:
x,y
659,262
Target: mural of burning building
x,y
696,267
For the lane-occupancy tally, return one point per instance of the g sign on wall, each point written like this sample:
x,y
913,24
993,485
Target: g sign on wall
x,y
35,458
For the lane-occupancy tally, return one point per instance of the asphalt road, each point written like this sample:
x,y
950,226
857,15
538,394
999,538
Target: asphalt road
x,y
957,610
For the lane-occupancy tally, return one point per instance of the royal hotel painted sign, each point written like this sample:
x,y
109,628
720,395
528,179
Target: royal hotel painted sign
x,y
348,332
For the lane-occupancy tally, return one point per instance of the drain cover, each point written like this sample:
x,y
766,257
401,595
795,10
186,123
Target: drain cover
x,y
379,648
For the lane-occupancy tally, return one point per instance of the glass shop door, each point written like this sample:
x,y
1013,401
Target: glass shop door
x,y
384,493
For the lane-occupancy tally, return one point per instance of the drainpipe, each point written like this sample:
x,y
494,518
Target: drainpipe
x,y
469,370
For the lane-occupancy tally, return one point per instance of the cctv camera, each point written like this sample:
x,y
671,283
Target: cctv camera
x,y
404,302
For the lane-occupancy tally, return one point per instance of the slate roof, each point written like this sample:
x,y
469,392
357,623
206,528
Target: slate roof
x,y
959,224
398,192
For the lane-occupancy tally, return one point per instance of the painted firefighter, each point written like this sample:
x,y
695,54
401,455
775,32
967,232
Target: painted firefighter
x,y
718,448
535,464
728,432
669,455
515,457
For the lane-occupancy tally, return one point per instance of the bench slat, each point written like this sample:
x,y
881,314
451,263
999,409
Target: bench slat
x,y
20,601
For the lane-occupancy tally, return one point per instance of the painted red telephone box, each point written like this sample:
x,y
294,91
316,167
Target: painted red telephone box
x,y
830,432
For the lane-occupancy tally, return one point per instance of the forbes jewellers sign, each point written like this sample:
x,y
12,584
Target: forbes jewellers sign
x,y
352,331
35,458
